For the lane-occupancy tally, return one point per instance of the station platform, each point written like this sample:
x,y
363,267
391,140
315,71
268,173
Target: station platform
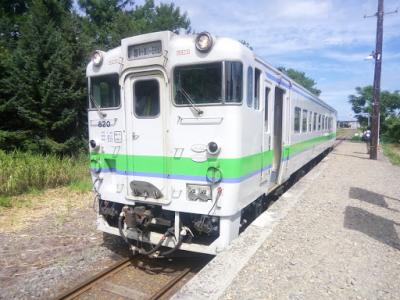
x,y
334,234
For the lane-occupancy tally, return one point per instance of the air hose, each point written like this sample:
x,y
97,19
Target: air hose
x,y
170,251
120,227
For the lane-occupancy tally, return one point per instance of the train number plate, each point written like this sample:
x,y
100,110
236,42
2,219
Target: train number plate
x,y
103,123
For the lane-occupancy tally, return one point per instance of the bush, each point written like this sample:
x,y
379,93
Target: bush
x,y
21,172
392,130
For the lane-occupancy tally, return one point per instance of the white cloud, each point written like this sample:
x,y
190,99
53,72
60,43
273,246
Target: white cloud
x,y
305,9
325,38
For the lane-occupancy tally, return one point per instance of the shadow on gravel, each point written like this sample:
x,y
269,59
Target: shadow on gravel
x,y
376,227
116,244
367,196
356,156
370,197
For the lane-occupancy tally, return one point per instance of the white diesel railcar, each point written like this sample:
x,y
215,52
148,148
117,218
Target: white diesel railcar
x,y
187,132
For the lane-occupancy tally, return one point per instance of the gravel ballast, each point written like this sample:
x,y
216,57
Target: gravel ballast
x,y
338,238
54,253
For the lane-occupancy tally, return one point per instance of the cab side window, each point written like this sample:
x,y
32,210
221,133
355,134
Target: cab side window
x,y
257,75
267,91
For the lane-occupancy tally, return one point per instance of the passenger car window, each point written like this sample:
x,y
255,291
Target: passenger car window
x,y
305,114
249,86
147,98
297,113
315,122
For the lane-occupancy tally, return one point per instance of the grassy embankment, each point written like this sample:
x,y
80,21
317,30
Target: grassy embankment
x,y
22,173
392,151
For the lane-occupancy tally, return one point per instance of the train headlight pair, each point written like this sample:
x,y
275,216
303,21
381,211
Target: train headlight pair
x,y
204,41
198,192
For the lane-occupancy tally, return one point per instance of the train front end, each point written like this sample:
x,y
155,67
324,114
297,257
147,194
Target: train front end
x,y
164,134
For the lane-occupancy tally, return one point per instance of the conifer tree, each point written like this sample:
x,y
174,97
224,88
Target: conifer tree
x,y
44,48
44,86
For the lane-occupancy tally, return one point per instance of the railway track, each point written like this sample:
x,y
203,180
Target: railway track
x,y
138,278
143,278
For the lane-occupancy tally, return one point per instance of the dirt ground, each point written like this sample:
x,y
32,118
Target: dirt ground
x,y
52,244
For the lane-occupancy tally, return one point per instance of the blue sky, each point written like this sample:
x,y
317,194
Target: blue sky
x,y
327,39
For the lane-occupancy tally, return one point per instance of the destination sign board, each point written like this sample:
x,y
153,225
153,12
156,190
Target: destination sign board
x,y
146,50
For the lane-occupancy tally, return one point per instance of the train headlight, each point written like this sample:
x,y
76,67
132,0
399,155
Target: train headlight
x,y
204,41
198,192
213,148
94,145
97,58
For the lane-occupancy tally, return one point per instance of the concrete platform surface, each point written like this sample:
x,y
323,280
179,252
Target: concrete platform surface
x,y
334,234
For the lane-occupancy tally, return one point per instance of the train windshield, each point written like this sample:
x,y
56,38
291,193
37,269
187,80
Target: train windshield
x,y
203,83
104,91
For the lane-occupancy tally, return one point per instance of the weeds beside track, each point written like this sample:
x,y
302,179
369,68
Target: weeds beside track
x,y
23,172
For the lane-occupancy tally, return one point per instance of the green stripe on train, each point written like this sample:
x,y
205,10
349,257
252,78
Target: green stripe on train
x,y
230,167
304,145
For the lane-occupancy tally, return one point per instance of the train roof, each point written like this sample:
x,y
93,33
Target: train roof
x,y
114,55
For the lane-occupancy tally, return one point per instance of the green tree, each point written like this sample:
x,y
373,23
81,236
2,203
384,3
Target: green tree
x,y
44,49
392,129
361,104
12,15
301,78
108,21
43,83
161,17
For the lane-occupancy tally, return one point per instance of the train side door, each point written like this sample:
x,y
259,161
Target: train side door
x,y
277,134
266,138
145,96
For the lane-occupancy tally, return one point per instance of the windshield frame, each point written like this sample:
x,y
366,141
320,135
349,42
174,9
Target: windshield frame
x,y
223,89
92,107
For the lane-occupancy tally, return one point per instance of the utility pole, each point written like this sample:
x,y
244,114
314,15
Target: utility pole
x,y
375,117
377,55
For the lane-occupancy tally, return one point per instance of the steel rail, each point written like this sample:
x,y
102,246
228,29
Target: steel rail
x,y
90,282
169,285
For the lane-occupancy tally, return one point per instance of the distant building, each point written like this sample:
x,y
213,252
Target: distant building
x,y
348,124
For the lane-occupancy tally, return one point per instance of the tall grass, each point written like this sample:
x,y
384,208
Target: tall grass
x,y
22,172
392,151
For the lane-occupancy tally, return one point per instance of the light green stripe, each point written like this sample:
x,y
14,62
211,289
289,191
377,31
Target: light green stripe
x,y
304,145
230,167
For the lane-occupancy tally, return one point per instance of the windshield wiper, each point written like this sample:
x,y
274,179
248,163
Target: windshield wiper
x,y
101,114
190,100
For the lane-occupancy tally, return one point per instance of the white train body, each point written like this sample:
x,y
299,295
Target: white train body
x,y
194,137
